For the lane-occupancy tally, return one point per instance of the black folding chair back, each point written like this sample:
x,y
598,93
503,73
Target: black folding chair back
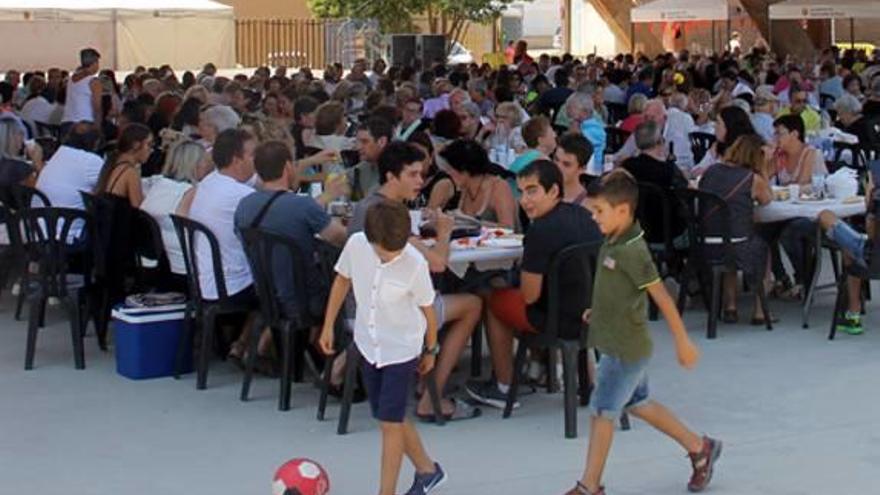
x,y
700,144
147,244
267,252
573,264
189,232
18,197
708,219
46,236
615,139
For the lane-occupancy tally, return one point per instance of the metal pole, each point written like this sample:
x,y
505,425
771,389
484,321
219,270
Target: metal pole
x,y
769,30
115,19
852,33
713,37
728,32
632,37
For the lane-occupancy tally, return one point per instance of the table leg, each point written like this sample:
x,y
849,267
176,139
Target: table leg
x,y
814,280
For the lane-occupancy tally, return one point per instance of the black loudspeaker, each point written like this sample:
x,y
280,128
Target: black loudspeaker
x,y
433,49
403,50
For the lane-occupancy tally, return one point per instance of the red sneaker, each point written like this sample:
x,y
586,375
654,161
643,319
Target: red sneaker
x,y
580,489
703,462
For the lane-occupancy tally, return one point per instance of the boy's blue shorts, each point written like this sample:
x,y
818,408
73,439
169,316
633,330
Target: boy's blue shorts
x,y
619,386
388,389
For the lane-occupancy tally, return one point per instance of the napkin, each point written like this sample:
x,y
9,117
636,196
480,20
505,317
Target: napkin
x,y
843,183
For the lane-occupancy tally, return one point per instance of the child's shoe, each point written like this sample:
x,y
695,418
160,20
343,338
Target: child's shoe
x,y
423,484
851,324
580,489
703,463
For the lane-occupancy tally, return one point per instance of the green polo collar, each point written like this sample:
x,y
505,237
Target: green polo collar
x,y
631,235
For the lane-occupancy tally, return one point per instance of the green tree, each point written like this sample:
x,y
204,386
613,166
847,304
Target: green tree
x,y
449,17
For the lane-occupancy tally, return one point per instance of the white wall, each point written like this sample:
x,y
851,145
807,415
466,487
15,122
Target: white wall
x,y
589,32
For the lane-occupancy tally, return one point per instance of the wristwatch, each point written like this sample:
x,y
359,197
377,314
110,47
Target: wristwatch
x,y
432,351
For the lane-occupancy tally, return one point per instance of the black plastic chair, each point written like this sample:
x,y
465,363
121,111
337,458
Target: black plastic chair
x,y
148,245
615,138
699,207
700,144
656,211
578,259
20,198
869,273
204,310
264,251
46,232
616,112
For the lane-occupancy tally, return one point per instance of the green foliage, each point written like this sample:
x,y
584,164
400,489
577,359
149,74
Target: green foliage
x,y
397,15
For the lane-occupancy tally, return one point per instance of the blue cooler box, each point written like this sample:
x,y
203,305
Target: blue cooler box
x,y
146,341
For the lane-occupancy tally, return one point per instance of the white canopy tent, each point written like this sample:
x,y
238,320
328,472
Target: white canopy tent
x,y
38,34
682,11
819,9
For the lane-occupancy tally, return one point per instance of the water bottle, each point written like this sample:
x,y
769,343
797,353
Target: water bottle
x,y
818,185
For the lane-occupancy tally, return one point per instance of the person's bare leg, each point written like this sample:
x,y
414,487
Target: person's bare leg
x,y
463,312
414,449
500,340
854,291
601,435
729,290
656,415
393,447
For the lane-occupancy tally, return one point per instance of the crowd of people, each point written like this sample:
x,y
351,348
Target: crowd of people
x,y
521,146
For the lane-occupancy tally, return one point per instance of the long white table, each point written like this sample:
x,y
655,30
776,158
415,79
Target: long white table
x,y
779,211
483,259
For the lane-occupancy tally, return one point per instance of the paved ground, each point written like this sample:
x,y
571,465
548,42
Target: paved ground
x,y
798,415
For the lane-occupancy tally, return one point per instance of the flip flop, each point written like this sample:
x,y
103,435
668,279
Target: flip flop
x,y
463,411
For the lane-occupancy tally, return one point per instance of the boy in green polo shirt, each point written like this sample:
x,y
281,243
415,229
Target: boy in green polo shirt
x,y
618,329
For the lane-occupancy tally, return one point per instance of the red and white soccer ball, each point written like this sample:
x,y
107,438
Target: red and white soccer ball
x,y
301,477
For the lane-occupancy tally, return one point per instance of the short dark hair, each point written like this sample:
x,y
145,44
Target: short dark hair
x,y
560,77
88,57
578,145
395,157
617,187
388,225
270,159
547,173
228,145
304,105
466,155
6,92
378,128
84,136
446,124
534,129
792,123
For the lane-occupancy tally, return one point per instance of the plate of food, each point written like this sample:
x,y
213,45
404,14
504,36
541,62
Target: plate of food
x,y
811,200
503,242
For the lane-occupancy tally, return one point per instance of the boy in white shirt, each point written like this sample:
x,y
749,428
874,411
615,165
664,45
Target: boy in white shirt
x,y
395,321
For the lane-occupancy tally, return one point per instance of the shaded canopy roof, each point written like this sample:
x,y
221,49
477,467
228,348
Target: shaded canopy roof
x,y
813,9
682,10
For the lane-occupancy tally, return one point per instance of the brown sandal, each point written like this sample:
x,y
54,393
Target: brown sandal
x,y
580,489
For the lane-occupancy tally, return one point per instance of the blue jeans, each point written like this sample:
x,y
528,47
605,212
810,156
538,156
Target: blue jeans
x,y
619,386
850,240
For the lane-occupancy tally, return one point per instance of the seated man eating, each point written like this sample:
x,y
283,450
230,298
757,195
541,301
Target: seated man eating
x,y
555,226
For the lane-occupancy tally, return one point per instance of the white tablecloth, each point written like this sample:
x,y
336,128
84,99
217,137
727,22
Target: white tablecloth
x,y
483,259
778,211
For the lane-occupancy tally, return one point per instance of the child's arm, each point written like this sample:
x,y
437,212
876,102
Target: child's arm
x,y
428,359
688,354
341,286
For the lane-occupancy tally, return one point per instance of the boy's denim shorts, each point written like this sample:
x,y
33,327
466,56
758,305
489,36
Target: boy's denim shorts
x,y
619,386
850,240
